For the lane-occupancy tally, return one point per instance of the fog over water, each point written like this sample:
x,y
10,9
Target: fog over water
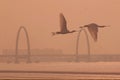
x,y
41,17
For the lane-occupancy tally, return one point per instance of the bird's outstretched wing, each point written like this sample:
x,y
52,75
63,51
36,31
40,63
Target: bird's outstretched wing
x,y
63,23
93,31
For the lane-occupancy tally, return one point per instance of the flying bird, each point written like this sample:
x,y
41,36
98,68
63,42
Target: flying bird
x,y
63,26
93,30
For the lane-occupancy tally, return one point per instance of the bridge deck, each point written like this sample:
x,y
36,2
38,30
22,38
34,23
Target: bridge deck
x,y
61,58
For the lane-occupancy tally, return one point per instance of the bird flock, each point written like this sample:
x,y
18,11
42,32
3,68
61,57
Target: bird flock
x,y
92,28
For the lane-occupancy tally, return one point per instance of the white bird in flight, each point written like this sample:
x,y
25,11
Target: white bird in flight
x,y
93,30
63,26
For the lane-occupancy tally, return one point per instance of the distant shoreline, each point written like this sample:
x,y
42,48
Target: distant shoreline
x,y
60,72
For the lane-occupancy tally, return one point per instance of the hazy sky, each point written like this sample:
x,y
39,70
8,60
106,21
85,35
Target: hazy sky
x,y
41,17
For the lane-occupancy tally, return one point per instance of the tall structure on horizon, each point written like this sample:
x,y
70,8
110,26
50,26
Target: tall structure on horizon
x,y
17,43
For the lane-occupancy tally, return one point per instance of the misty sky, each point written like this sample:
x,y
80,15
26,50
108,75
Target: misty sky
x,y
41,17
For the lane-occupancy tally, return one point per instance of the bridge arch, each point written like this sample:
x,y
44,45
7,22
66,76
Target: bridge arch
x,y
77,43
17,43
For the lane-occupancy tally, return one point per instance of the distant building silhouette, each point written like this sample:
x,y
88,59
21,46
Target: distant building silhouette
x,y
40,52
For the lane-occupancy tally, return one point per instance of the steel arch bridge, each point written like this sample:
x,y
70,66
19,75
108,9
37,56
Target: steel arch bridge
x,y
17,44
77,43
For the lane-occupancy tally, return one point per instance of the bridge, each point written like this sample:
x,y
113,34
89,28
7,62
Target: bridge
x,y
59,58
17,57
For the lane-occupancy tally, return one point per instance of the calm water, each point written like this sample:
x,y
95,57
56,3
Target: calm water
x,y
55,76
61,70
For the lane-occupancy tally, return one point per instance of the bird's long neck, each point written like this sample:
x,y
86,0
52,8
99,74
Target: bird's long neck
x,y
54,33
102,26
72,31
